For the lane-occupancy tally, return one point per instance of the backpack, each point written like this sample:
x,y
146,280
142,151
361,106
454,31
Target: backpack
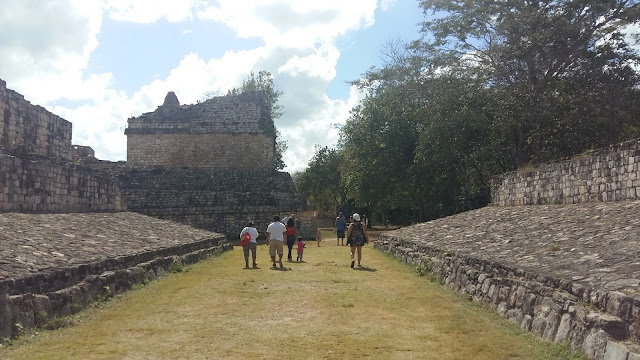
x,y
245,239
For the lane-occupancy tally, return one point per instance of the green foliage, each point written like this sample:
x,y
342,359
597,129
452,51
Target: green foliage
x,y
560,75
489,88
321,182
177,267
263,81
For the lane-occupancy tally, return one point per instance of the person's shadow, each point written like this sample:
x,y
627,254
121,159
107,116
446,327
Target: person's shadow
x,y
364,268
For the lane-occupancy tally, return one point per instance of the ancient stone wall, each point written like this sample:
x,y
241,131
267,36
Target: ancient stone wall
x,y
29,129
211,150
42,186
54,265
218,200
608,174
228,132
556,310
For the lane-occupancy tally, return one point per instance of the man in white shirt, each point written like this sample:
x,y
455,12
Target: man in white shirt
x,y
251,245
275,239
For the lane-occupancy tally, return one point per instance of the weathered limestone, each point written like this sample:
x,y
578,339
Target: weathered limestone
x,y
225,132
54,265
545,306
218,200
608,174
36,172
41,185
29,129
208,165
564,272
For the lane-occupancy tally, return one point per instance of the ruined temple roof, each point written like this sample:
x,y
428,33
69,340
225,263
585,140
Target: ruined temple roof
x,y
244,113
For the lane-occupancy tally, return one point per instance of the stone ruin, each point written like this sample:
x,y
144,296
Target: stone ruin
x,y
557,252
207,165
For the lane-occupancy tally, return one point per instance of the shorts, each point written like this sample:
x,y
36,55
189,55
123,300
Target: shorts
x,y
275,246
340,233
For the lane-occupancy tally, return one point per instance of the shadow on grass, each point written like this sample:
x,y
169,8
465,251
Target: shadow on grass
x,y
364,268
280,268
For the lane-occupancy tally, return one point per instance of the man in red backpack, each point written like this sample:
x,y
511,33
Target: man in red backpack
x,y
251,245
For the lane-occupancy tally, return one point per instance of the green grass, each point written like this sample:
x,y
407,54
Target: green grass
x,y
319,309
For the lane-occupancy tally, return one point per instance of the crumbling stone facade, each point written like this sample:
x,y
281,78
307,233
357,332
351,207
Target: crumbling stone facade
x,y
225,132
36,171
567,272
208,165
217,200
29,129
608,174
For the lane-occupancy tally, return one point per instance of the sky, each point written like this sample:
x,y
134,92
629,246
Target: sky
x,y
97,63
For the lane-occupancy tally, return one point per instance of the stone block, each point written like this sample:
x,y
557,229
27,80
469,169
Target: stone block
x,y
564,328
616,351
6,329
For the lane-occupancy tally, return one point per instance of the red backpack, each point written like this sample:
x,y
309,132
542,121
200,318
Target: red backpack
x,y
245,239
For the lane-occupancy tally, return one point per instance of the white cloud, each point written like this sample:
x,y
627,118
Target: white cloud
x,y
149,11
292,23
46,45
45,49
387,4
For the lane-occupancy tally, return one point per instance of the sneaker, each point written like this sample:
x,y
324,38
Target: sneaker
x,y
353,262
255,266
359,265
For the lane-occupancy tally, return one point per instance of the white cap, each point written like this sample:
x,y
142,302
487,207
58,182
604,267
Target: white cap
x,y
356,217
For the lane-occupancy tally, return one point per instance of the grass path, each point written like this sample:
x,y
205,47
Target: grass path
x,y
319,309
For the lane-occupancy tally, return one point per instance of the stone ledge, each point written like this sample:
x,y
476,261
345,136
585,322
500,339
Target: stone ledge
x,y
537,303
35,309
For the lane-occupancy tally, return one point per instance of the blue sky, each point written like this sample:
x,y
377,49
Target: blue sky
x,y
98,62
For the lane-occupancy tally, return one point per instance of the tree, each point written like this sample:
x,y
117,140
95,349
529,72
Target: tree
x,y
561,73
321,181
263,81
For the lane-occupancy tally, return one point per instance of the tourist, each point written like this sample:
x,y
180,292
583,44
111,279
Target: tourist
x,y
275,239
292,236
252,245
319,236
300,249
356,238
285,218
338,227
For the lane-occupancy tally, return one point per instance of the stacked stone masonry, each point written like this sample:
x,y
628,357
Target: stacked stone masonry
x,y
552,308
233,132
54,265
41,186
29,129
218,200
608,174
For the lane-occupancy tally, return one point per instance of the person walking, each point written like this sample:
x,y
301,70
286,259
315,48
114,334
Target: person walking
x,y
319,236
356,238
252,245
275,240
292,236
300,249
339,226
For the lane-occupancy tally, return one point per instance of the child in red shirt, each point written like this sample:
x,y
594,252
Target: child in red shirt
x,y
300,250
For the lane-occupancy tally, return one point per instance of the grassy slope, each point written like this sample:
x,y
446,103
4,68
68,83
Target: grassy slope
x,y
320,309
